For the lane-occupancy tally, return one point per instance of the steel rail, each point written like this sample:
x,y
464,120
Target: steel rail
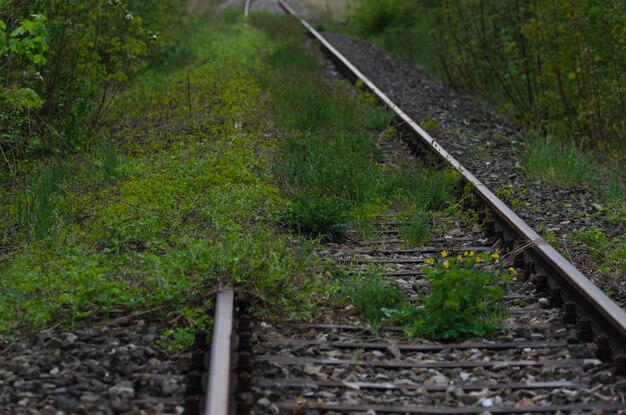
x,y
218,394
607,314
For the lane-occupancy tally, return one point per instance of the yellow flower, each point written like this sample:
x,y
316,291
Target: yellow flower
x,y
446,265
477,259
512,270
444,254
495,255
430,261
465,253
471,253
459,258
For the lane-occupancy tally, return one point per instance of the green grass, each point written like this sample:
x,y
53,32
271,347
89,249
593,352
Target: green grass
x,y
328,160
417,229
177,201
555,162
371,293
37,203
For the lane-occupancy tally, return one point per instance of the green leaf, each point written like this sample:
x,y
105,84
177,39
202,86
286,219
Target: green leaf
x,y
24,98
18,32
39,59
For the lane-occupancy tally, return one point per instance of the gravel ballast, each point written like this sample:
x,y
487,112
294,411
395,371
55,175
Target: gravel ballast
x,y
487,145
104,370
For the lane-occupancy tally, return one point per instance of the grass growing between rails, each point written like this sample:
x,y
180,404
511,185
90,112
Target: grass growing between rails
x,y
371,293
178,204
328,162
331,172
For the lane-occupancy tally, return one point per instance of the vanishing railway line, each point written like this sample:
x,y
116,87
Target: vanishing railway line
x,y
562,350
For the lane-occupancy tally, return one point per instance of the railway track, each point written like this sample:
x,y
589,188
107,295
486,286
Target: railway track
x,y
562,350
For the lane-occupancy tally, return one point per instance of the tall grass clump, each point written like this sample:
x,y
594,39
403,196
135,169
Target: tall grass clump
x,y
37,203
371,293
557,162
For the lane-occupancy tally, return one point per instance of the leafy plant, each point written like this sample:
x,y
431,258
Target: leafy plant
x,y
465,300
24,48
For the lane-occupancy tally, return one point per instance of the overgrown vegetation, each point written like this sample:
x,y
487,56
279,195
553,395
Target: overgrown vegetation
x,y
62,64
178,202
371,293
329,163
557,162
555,64
465,299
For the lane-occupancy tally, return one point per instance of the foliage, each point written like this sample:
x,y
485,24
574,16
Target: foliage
x,y
556,64
25,48
398,25
177,203
62,63
465,299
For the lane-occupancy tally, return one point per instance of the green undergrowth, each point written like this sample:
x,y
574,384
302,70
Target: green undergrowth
x,y
328,164
465,299
609,252
177,201
330,170
557,162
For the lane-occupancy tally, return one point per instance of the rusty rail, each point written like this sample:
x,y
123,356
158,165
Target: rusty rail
x,y
219,394
606,315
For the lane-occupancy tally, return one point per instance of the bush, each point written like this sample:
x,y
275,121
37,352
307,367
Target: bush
x,y
60,71
550,63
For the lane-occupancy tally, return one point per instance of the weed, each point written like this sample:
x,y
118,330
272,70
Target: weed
x,y
555,162
504,192
465,299
430,125
370,293
36,204
364,215
321,216
417,228
548,235
519,204
479,152
609,252
110,162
